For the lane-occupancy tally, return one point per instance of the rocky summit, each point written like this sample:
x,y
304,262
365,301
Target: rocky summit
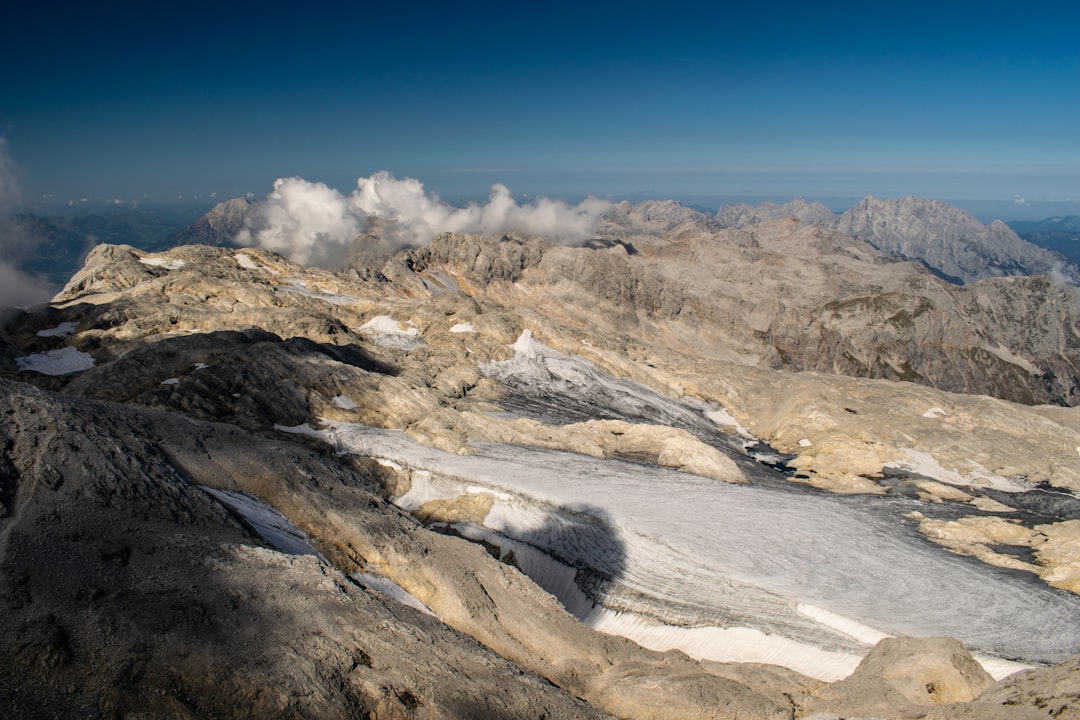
x,y
681,471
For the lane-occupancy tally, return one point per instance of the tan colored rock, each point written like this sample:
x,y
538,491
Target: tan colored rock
x,y
1060,554
902,674
465,508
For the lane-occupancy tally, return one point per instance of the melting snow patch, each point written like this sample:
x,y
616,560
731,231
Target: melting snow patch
x,y
926,464
805,442
934,412
724,419
465,327
343,402
388,332
64,361
244,260
201,366
171,381
734,644
162,262
62,330
851,628
270,524
392,590
299,287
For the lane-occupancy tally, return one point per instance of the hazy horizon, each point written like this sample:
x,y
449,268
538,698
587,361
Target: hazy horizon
x,y
965,102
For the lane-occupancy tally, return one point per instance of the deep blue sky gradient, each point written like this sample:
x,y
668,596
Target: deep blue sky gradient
x,y
965,100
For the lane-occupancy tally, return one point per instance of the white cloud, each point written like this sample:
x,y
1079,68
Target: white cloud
x,y
310,223
313,224
18,289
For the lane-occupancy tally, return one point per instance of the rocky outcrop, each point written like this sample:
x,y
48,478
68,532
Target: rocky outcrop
x,y
218,226
948,240
740,215
202,355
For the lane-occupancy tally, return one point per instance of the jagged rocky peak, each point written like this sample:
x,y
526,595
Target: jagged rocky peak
x,y
219,226
948,240
653,215
742,214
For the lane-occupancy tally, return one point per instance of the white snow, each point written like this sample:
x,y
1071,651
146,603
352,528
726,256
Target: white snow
x,y
465,327
805,442
388,332
343,402
297,286
64,329
389,588
732,644
270,524
934,412
171,381
162,262
724,419
924,463
726,571
388,326
856,630
63,361
201,366
244,260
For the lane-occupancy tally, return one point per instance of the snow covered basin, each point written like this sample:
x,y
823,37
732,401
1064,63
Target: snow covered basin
x,y
677,551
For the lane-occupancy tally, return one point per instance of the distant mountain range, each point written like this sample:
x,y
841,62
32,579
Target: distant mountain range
x,y
947,240
1060,234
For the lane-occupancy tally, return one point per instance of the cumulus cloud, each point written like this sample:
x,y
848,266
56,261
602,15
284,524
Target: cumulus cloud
x,y
310,223
314,224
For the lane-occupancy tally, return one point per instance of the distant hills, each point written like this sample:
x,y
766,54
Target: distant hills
x,y
1060,234
947,240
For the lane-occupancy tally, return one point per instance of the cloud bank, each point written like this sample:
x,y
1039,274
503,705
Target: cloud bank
x,y
312,223
17,288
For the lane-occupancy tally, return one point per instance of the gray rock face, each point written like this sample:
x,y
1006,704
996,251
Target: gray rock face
x,y
743,214
948,240
217,227
126,588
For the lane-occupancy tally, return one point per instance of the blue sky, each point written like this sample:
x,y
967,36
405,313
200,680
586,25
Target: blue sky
x,y
976,101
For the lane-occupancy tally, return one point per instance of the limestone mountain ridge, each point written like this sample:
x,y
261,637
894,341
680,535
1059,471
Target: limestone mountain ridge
x,y
366,407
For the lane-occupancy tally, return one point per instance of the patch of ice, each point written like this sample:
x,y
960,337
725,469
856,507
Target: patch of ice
x,y
387,325
733,644
343,402
1000,668
851,628
724,419
388,332
934,412
162,262
709,564
297,286
64,329
64,361
389,588
171,381
926,464
271,525
526,346
465,327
